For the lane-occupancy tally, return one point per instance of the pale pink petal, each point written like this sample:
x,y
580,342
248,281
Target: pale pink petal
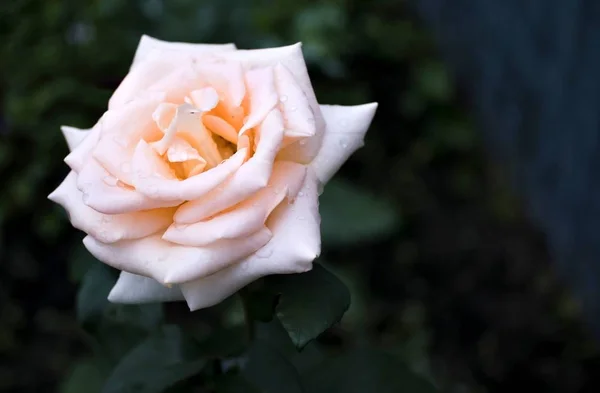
x,y
227,78
122,129
298,115
292,59
80,154
105,193
104,227
289,56
296,243
263,96
74,136
169,263
134,289
152,176
205,99
346,128
247,217
250,178
220,127
150,45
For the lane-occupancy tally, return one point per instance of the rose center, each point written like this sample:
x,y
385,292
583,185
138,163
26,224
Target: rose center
x,y
198,134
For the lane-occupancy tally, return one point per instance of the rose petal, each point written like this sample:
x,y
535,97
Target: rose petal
x,y
295,244
299,118
251,177
82,152
227,78
263,96
346,128
152,176
74,136
134,289
169,263
105,194
220,127
122,128
247,217
104,227
289,56
149,45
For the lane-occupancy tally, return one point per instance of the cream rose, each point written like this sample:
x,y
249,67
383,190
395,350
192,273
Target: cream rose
x,y
203,174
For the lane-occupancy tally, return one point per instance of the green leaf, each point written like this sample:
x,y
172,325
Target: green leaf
x,y
224,342
92,297
234,384
309,302
350,215
267,369
144,316
80,262
159,362
86,376
365,370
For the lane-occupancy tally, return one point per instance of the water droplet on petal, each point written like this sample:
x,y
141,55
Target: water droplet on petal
x,y
303,141
85,197
300,194
105,219
320,188
343,143
293,109
265,252
111,181
180,227
120,140
283,98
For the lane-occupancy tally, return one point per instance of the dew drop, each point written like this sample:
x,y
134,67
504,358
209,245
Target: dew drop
x,y
180,227
320,188
111,181
300,194
85,197
344,144
283,98
119,140
293,109
303,142
105,219
264,252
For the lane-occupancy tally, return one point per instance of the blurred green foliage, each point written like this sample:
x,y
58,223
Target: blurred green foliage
x,y
442,268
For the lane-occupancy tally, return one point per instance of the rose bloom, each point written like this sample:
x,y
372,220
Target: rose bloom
x,y
203,175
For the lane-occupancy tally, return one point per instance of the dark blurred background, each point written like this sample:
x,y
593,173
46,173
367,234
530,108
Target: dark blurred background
x,y
446,262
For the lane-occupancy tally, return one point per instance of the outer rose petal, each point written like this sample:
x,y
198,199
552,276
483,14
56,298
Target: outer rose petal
x,y
74,136
107,228
295,244
82,152
104,194
346,128
134,289
169,263
148,44
156,60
